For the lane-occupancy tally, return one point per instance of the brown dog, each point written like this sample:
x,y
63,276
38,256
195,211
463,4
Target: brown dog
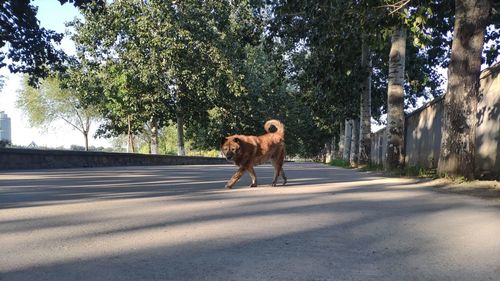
x,y
249,151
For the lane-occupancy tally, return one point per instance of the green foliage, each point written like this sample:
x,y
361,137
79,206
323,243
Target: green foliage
x,y
52,101
186,64
30,48
266,96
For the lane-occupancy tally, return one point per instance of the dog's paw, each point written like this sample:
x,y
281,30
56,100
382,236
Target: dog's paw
x,y
228,186
273,184
253,185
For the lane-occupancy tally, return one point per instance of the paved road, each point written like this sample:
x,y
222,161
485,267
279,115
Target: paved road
x,y
179,223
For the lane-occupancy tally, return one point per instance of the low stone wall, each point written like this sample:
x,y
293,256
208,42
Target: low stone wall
x,y
16,159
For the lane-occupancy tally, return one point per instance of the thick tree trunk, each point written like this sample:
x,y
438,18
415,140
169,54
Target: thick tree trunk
x,y
366,105
395,100
354,143
460,104
347,140
154,137
180,134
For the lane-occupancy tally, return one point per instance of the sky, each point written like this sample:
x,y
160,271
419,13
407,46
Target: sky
x,y
51,15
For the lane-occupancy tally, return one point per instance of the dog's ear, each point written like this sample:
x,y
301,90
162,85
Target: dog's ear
x,y
237,140
222,140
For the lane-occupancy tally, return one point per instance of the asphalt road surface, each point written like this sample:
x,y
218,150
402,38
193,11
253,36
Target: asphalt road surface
x,y
179,223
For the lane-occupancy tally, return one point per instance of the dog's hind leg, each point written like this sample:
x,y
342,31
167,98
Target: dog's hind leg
x,y
235,178
277,169
283,176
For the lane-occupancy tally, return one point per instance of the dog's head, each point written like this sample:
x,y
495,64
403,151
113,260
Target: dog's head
x,y
231,147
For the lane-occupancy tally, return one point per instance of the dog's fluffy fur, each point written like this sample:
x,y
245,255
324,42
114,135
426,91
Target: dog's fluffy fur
x,y
249,151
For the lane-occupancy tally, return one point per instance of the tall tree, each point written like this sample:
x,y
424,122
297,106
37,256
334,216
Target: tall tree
x,y
50,102
354,143
365,104
179,58
460,106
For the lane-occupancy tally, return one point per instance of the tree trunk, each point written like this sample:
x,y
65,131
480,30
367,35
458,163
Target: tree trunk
x,y
180,133
334,148
154,137
341,141
86,136
130,139
460,104
347,140
366,105
395,100
354,143
328,151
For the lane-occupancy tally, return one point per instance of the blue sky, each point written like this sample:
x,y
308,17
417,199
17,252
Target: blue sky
x,y
53,15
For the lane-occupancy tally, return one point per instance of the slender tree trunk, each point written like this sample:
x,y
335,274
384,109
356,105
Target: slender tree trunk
x,y
395,100
334,148
354,143
347,140
341,141
180,133
328,151
85,130
460,104
366,105
154,137
130,139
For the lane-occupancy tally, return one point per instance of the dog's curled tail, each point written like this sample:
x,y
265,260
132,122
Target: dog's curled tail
x,y
280,128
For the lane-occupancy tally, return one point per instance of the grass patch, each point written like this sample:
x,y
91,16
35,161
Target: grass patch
x,y
415,171
372,167
409,171
340,163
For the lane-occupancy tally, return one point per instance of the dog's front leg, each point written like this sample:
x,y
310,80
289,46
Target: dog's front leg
x,y
251,171
235,177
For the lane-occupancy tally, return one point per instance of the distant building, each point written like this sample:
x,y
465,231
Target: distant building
x,y
5,133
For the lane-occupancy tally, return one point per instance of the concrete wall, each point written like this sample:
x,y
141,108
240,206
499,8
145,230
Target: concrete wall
x,y
378,147
488,129
14,159
423,135
423,131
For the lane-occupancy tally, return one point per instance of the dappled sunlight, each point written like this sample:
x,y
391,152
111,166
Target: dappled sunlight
x,y
488,125
426,120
